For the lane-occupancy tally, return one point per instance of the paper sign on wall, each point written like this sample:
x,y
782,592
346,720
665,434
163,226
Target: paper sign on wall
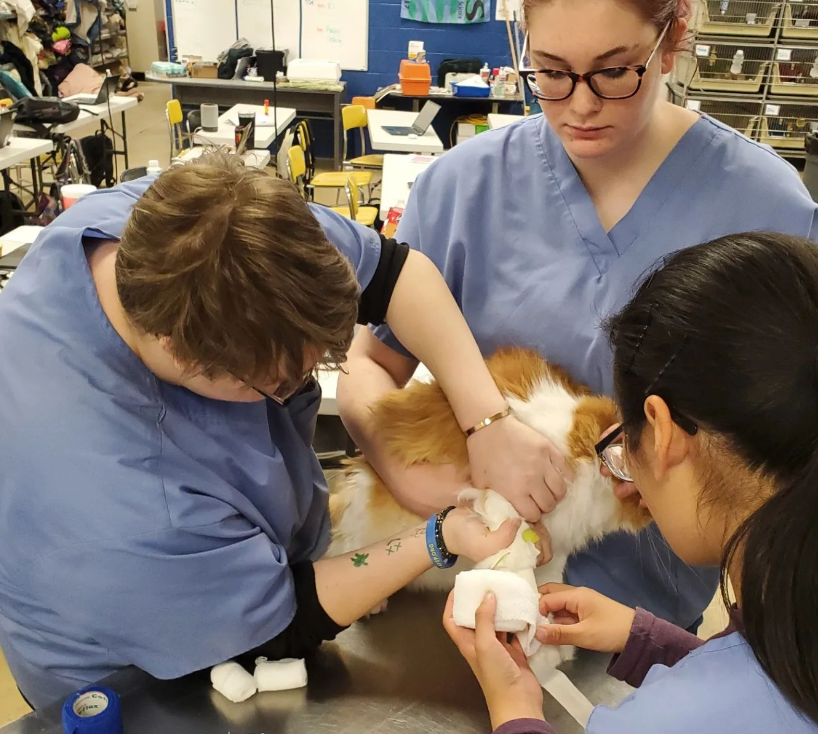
x,y
511,7
445,11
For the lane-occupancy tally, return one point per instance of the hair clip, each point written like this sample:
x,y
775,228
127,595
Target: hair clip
x,y
665,368
641,337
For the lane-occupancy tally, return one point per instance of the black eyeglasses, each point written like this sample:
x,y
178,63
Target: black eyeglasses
x,y
613,454
288,389
616,82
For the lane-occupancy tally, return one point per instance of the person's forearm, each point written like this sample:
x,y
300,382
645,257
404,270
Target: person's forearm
x,y
359,388
652,641
349,586
425,318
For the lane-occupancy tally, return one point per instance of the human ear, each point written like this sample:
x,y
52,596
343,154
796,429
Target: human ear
x,y
671,45
670,445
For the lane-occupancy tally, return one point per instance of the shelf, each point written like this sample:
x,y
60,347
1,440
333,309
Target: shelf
x,y
679,91
799,43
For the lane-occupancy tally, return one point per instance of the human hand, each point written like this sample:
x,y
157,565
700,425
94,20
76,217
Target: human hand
x,y
522,465
465,534
510,687
584,618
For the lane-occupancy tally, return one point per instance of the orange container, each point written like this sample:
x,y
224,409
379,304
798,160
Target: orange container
x,y
415,79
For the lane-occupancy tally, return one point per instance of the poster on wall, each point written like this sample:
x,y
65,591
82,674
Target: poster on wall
x,y
446,11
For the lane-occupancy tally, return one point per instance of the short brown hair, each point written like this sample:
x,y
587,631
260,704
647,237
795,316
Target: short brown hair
x,y
229,264
659,12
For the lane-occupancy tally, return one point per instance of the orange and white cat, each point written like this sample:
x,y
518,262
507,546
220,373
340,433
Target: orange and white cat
x,y
420,427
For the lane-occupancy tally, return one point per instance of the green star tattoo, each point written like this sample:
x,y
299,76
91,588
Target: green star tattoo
x,y
393,546
359,559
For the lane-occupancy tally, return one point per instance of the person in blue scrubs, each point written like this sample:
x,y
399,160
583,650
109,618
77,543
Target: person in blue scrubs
x,y
717,381
542,228
160,502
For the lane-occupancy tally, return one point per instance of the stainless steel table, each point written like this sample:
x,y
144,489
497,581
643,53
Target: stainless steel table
x,y
395,673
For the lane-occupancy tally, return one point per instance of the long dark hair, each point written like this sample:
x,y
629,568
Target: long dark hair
x,y
730,329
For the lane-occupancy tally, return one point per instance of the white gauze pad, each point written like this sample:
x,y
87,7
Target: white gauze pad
x,y
233,681
280,675
517,603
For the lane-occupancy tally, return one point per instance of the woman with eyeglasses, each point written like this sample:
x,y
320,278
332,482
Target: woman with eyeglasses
x,y
542,228
716,375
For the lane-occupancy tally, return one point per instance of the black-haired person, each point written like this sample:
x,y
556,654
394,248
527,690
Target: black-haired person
x,y
716,375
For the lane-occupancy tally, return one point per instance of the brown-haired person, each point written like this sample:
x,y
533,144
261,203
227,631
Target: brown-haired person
x,y
160,502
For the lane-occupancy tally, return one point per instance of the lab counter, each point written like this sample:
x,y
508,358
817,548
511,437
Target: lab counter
x,y
394,673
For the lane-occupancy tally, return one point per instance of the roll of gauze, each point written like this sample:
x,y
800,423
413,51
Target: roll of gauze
x,y
280,675
517,603
233,681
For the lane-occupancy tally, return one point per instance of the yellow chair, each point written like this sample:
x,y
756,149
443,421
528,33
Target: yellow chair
x,y
330,179
354,117
174,117
365,215
297,168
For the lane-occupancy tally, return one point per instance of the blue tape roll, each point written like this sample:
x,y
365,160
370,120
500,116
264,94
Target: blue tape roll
x,y
92,710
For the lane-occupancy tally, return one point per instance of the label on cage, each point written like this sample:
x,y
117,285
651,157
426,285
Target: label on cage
x,y
783,54
802,23
772,109
702,50
693,104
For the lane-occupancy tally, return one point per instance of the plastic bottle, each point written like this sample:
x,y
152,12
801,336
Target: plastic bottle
x,y
738,63
154,169
485,73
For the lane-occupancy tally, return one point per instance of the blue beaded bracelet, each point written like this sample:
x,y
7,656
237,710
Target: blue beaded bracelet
x,y
435,544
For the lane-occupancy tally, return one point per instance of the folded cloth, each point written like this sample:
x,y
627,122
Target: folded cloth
x,y
280,675
233,681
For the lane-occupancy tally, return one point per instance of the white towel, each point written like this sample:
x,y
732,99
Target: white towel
x,y
233,681
495,509
517,603
280,675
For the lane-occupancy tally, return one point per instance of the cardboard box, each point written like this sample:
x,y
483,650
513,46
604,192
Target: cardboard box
x,y
204,70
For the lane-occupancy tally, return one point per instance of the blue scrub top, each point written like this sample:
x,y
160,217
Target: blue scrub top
x,y
509,223
140,523
720,687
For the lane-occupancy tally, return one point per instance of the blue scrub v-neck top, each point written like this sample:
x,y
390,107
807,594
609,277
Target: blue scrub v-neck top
x,y
140,523
509,223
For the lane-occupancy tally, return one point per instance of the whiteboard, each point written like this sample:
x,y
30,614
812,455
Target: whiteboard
x,y
336,30
203,27
255,26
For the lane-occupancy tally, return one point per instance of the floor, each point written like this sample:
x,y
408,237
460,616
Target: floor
x,y
148,139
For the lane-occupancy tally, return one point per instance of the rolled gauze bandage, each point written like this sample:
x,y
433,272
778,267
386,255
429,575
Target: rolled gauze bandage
x,y
280,675
233,681
517,603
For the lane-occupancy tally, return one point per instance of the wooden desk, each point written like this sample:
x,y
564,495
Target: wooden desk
x,y
428,143
304,99
265,135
